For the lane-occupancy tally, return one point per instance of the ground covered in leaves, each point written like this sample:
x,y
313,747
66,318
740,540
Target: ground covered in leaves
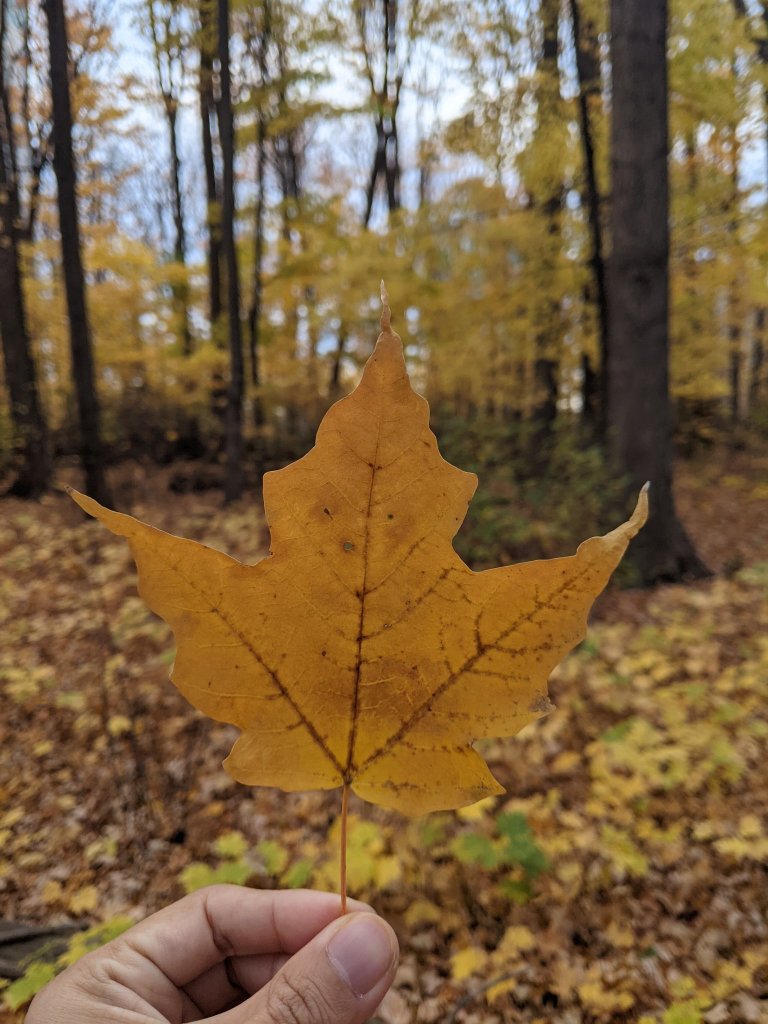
x,y
622,878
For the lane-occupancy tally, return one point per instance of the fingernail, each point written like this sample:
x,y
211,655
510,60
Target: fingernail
x,y
361,952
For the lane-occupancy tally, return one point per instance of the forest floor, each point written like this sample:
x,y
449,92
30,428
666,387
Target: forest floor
x,y
625,881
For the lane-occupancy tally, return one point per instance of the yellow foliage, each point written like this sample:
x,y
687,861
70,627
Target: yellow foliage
x,y
118,725
516,939
84,900
421,912
52,892
467,962
620,935
596,997
499,989
622,851
566,762
750,827
478,810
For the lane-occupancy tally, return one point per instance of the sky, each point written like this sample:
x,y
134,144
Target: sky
x,y
437,75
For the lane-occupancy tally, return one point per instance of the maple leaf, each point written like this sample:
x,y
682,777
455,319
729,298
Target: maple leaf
x,y
363,652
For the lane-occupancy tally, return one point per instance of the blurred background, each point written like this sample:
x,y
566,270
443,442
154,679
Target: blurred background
x,y
489,160
568,201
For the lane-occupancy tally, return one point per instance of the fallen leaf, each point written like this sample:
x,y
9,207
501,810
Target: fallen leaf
x,y
516,939
467,962
51,892
118,725
84,900
421,912
364,651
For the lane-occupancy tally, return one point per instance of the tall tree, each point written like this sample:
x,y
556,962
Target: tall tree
x,y
170,52
545,187
30,434
233,484
587,48
262,43
639,411
379,30
207,29
91,448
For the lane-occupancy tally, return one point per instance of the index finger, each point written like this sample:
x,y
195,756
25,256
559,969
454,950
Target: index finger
x,y
209,925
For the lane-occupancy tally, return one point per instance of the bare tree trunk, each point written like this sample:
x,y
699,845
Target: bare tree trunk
x,y
170,98
254,312
588,72
92,452
180,237
32,462
547,196
386,98
287,146
334,384
639,412
233,484
212,187
757,376
38,148
378,169
735,326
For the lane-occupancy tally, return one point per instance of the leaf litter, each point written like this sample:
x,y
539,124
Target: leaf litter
x,y
645,791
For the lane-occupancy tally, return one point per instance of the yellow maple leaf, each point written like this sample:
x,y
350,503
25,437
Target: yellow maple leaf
x,y
363,652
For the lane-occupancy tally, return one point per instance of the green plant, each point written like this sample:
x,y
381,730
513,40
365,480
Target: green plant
x,y
40,970
513,851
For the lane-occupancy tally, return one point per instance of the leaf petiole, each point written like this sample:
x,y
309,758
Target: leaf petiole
x,y
343,851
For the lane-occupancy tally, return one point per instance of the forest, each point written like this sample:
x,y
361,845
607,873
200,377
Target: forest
x,y
567,201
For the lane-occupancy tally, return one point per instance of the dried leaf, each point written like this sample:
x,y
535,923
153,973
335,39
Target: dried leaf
x,y
363,650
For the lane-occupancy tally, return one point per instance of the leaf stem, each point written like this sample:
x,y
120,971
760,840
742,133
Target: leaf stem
x,y
343,843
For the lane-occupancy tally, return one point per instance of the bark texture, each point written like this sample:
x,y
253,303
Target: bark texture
x,y
212,184
639,411
91,449
32,464
233,483
586,45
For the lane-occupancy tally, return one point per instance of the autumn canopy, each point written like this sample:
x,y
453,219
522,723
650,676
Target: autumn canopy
x,y
363,651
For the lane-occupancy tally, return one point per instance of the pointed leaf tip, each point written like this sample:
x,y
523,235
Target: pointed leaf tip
x,y
386,312
638,518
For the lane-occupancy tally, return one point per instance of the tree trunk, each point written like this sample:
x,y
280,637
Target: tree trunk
x,y
639,412
254,313
92,453
756,377
170,97
32,463
546,196
386,100
378,168
180,238
233,484
586,45
334,384
212,188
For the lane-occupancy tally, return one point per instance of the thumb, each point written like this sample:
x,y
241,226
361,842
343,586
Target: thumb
x,y
340,977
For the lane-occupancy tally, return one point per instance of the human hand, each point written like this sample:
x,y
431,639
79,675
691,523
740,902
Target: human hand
x,y
233,956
